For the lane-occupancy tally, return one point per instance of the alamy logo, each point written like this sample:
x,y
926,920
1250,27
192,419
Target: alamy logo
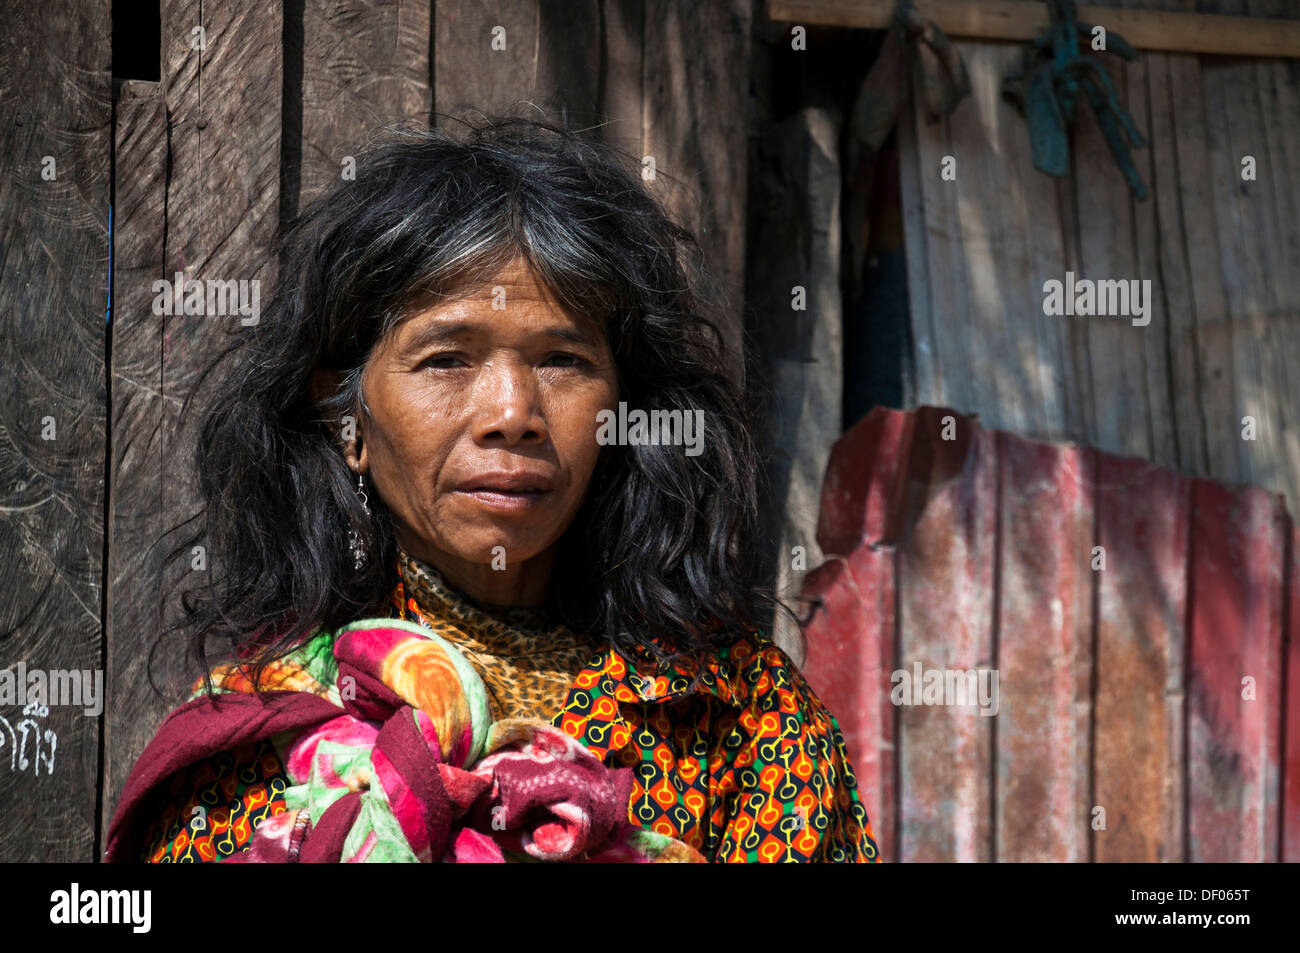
x,y
189,296
654,428
131,907
79,688
950,687
1122,297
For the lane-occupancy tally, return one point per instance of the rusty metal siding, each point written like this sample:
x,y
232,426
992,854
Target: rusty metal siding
x,y
1144,707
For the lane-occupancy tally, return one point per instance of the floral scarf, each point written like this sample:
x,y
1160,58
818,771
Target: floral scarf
x,y
394,757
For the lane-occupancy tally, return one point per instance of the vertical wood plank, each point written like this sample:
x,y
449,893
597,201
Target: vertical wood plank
x,y
950,345
135,557
579,63
1045,593
469,73
1123,414
1232,116
55,101
796,242
946,574
364,64
221,201
926,383
1005,305
1167,256
1141,594
696,128
622,75
1200,229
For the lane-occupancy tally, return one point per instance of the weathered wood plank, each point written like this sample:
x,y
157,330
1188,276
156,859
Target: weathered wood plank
x,y
137,463
485,57
622,75
1045,611
927,368
1001,314
365,63
1199,238
950,348
222,204
796,243
1122,406
575,63
1165,259
696,128
1171,31
55,112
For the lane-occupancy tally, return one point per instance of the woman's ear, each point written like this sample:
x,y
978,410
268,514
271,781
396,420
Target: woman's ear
x,y
322,386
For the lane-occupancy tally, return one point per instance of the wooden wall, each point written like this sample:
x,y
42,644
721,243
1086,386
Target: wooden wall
x,y
235,138
1221,253
55,102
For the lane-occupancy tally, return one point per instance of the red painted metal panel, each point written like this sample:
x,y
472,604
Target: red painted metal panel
x,y
1290,820
945,608
1142,512
851,639
957,550
1236,634
1044,652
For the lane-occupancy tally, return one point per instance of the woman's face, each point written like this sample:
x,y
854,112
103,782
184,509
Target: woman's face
x,y
483,440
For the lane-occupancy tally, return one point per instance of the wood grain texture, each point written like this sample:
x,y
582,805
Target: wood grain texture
x,y
1217,249
365,65
1143,27
55,102
218,187
796,243
696,128
136,473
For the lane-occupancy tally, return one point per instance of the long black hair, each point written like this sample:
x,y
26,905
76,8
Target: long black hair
x,y
664,551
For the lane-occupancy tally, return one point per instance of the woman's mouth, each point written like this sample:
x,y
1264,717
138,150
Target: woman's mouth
x,y
507,491
503,500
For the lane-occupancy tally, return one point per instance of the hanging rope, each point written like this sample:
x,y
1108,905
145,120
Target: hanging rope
x,y
1045,85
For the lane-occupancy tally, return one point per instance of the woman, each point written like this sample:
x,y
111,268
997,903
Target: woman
x,y
414,450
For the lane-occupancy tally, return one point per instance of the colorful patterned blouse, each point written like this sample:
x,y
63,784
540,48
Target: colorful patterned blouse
x,y
747,766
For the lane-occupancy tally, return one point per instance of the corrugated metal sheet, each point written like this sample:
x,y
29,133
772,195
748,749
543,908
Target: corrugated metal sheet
x,y
1147,710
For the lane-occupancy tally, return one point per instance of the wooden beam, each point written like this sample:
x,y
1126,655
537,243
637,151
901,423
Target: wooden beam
x,y
1021,20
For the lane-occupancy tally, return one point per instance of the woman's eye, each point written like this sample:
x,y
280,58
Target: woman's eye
x,y
442,360
567,360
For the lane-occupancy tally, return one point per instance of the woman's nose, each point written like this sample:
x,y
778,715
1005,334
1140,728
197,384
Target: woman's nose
x,y
508,405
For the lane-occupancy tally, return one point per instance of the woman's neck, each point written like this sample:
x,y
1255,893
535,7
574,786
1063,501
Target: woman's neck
x,y
524,584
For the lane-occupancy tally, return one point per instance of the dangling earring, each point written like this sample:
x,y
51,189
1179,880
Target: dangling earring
x,y
358,549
